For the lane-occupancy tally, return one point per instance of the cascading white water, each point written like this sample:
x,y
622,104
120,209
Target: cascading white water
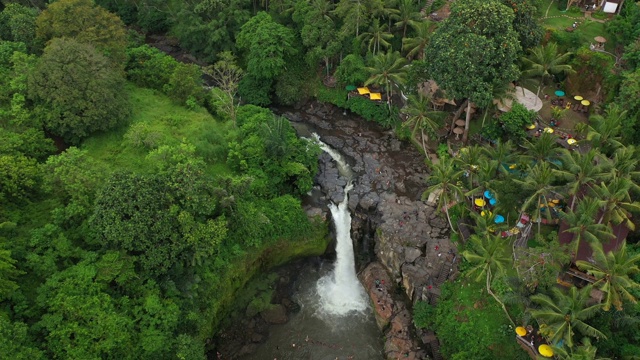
x,y
340,291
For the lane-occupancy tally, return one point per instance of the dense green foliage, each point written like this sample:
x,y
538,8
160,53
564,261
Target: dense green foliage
x,y
134,243
76,91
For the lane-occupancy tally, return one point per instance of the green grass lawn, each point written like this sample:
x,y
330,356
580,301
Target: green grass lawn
x,y
553,18
170,124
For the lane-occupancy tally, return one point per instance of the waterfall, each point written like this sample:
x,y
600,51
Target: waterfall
x,y
340,292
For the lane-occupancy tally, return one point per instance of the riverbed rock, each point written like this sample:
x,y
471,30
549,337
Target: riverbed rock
x,y
411,254
411,237
277,314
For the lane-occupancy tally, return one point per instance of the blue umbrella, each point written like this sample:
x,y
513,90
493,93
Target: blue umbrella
x,y
559,93
487,194
499,219
492,202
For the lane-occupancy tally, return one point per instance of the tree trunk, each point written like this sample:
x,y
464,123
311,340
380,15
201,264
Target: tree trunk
x,y
496,298
457,115
467,119
423,145
446,211
389,95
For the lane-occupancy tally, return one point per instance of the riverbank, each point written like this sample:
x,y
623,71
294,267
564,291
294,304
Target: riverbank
x,y
393,230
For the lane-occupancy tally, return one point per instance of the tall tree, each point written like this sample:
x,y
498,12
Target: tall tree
x,y
318,31
354,15
377,37
617,205
389,71
543,148
503,152
469,159
605,132
407,13
582,223
420,115
613,271
87,23
444,179
474,50
625,165
539,186
544,61
76,90
488,255
19,25
227,75
581,170
266,44
562,314
414,46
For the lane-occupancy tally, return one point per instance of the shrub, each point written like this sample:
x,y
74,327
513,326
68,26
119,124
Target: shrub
x,y
149,67
185,82
351,70
140,135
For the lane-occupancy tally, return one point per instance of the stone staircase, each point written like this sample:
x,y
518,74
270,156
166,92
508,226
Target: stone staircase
x,y
426,8
431,339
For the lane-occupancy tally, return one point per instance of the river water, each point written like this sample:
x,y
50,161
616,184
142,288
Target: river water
x,y
335,320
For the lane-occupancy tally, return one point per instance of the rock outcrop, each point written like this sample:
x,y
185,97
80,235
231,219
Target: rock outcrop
x,y
411,239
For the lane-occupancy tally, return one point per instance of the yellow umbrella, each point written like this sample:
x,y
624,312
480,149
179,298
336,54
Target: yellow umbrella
x,y
585,102
479,202
363,90
548,130
375,96
555,201
521,331
531,126
578,97
571,141
545,350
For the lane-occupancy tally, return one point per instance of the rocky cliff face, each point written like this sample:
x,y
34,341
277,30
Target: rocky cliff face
x,y
412,249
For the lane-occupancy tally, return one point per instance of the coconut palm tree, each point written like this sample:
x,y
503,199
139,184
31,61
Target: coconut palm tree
x,y
584,351
504,153
407,13
582,223
538,184
605,132
617,205
420,115
625,165
387,70
377,36
543,148
414,46
544,61
486,172
488,255
444,178
613,272
581,170
563,313
468,159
